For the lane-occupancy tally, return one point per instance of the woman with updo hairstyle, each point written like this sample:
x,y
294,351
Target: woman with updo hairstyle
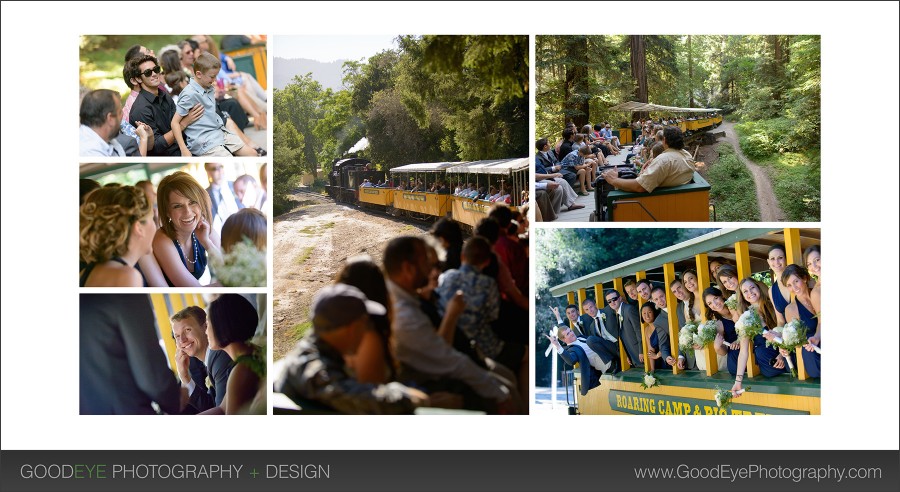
x,y
806,307
373,362
450,235
231,324
185,237
247,223
754,294
117,229
726,343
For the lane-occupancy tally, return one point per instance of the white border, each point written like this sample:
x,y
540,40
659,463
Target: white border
x,y
39,165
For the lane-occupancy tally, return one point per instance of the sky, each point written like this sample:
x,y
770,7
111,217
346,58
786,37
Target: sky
x,y
330,48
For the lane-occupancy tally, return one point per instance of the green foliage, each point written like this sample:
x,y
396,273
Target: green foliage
x,y
795,170
761,139
287,158
437,98
797,180
733,190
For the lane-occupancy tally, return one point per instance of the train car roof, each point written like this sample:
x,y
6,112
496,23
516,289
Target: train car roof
x,y
639,106
423,167
717,243
492,166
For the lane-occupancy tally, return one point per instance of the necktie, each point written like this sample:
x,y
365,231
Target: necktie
x,y
602,329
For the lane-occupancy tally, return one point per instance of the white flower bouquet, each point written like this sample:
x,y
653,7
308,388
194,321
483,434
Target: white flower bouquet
x,y
649,381
732,302
243,266
686,337
789,337
724,397
749,324
706,333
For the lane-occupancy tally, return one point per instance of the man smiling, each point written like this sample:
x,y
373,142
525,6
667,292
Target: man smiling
x,y
196,362
156,108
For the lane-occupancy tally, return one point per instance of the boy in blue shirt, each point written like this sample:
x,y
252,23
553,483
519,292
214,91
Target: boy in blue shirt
x,y
208,136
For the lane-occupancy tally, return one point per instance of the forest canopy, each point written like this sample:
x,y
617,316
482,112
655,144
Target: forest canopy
x,y
435,98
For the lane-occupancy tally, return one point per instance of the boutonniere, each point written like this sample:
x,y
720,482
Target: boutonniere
x,y
208,382
603,316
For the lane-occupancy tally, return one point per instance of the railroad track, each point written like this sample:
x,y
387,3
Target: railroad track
x,y
425,220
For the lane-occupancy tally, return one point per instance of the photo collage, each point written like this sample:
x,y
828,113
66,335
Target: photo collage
x,y
449,224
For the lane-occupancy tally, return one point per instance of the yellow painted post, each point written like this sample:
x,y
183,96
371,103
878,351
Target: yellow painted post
x,y
672,310
570,297
619,286
165,326
793,249
742,258
582,295
709,353
801,367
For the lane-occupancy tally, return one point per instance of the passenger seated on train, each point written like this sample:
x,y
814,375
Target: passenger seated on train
x,y
443,189
578,160
673,167
482,307
424,356
316,370
366,183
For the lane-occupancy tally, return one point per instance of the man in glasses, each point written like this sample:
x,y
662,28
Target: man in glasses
x,y
629,325
155,107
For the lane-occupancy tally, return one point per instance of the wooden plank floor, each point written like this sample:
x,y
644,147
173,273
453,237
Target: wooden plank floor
x,y
584,214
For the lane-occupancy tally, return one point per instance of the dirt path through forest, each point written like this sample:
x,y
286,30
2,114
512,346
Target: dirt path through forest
x,y
311,244
769,209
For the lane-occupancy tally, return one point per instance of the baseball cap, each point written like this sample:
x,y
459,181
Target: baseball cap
x,y
339,305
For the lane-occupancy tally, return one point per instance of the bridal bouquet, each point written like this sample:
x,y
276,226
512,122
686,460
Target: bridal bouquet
x,y
732,302
724,397
649,381
686,336
749,324
243,266
706,333
789,337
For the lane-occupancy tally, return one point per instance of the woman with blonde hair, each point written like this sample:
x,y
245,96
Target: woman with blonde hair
x,y
117,230
185,236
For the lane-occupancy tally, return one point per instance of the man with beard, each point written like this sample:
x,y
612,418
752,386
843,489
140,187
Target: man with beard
x,y
424,356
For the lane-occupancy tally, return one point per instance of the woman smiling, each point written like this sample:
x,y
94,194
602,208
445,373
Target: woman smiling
x,y
185,237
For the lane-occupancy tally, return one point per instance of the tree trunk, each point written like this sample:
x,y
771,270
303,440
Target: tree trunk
x,y
690,73
577,99
639,71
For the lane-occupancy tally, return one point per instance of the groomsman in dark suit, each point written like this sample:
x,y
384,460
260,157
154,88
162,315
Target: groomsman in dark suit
x,y
202,370
631,294
603,325
578,325
658,295
629,324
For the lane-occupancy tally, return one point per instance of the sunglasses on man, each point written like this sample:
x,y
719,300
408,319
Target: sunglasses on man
x,y
149,71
